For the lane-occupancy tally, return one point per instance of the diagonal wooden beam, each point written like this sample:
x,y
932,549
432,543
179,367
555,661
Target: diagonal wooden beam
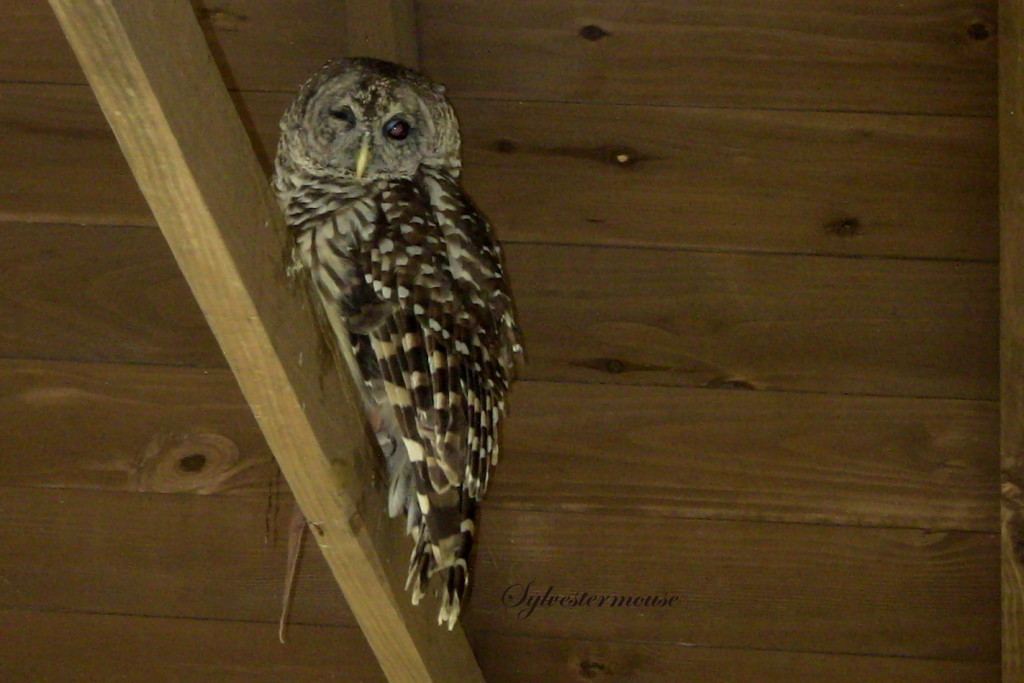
x,y
154,77
1011,222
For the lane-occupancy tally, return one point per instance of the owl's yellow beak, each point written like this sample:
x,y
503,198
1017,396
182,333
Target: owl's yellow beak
x,y
363,160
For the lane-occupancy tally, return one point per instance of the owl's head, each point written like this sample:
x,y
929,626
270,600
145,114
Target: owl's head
x,y
367,119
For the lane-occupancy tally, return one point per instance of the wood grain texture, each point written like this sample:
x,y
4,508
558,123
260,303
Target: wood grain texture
x,y
258,44
923,56
128,648
1011,217
734,179
832,325
811,588
111,294
103,647
512,659
782,586
853,184
757,456
131,428
629,316
56,145
760,456
162,555
385,30
152,74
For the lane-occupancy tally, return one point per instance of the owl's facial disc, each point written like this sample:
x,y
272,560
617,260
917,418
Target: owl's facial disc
x,y
360,136
358,120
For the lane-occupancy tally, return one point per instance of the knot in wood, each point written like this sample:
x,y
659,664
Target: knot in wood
x,y
844,227
592,669
504,146
593,33
729,383
192,463
180,462
978,31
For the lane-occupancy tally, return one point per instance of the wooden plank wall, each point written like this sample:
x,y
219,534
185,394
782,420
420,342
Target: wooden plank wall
x,y
754,249
1011,220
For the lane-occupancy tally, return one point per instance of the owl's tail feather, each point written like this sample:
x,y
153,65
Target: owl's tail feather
x,y
449,557
454,590
421,564
456,582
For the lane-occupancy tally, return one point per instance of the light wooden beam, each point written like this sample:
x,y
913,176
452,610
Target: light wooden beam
x,y
154,77
1011,219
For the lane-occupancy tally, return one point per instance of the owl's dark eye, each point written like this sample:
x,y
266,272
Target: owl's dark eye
x,y
397,128
344,114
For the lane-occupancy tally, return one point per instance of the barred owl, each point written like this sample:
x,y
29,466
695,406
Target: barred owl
x,y
409,277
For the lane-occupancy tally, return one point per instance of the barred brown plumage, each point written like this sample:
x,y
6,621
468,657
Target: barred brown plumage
x,y
409,276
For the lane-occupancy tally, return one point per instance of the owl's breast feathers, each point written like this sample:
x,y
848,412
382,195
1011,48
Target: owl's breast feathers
x,y
416,276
